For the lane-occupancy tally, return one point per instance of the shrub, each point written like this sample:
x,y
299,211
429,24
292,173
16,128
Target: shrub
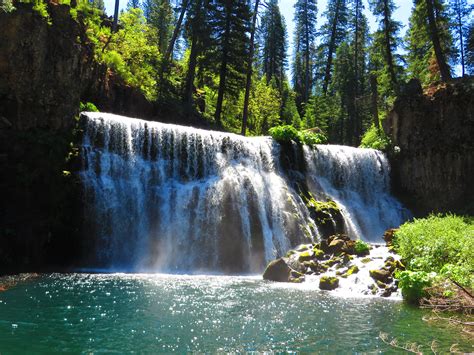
x,y
284,133
289,133
375,138
310,138
413,284
88,106
443,244
7,6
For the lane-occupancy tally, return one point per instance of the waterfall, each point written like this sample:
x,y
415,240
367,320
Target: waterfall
x,y
172,198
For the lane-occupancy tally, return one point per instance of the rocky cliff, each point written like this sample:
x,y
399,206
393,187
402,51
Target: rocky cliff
x,y
433,166
46,69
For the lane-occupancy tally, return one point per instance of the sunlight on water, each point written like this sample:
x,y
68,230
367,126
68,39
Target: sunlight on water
x,y
164,313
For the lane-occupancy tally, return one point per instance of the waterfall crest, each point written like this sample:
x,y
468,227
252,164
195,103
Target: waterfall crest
x,y
172,198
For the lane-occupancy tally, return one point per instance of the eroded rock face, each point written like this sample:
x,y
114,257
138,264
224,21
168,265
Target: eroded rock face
x,y
434,132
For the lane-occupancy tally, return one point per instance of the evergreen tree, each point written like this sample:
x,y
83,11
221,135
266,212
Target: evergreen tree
x,y
469,49
333,33
423,62
232,24
272,43
98,4
386,62
160,16
305,33
133,4
459,12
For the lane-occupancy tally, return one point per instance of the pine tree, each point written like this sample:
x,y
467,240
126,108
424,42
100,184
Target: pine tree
x,y
469,49
459,12
133,4
305,34
232,24
333,33
385,45
423,62
160,16
272,43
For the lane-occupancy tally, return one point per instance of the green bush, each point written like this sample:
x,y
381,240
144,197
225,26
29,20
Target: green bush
x,y
375,138
443,244
413,284
7,6
289,133
310,138
361,247
88,106
284,133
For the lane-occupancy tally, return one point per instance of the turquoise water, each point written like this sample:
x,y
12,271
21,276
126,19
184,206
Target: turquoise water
x,y
165,313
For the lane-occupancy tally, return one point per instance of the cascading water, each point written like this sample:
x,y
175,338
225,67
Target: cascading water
x,y
171,198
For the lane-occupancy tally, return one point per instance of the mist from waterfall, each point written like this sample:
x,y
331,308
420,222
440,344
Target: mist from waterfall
x,y
179,199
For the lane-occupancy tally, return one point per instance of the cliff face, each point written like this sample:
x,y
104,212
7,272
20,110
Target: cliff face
x,y
45,71
434,168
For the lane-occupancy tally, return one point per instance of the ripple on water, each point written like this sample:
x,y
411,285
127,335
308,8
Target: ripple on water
x,y
153,313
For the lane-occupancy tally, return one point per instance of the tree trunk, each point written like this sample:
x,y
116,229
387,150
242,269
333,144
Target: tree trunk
x,y
375,99
332,43
190,75
223,69
177,28
440,58
248,82
116,13
461,40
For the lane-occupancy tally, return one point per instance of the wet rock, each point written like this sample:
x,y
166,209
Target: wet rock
x,y
388,236
328,283
277,270
382,275
352,270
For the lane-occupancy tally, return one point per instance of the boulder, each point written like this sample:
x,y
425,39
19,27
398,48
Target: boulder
x,y
277,270
328,283
382,275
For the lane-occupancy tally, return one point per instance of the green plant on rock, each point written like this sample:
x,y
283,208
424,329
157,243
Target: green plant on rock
x,y
375,138
361,248
88,106
7,6
311,138
285,133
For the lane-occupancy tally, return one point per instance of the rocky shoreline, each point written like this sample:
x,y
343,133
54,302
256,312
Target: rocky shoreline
x,y
339,263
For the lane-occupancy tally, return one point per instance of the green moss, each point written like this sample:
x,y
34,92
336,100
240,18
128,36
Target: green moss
x,y
361,248
352,270
328,282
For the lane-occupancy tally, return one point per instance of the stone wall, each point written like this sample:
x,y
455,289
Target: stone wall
x,y
434,131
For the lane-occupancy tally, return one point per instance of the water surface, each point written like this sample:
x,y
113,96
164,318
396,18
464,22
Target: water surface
x,y
164,313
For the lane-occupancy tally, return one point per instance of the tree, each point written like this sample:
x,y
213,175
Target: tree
x,y
272,43
232,24
160,16
459,11
116,14
469,49
333,33
434,32
305,31
133,4
248,81
423,62
385,42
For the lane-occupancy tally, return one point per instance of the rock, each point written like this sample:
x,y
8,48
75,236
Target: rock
x,y
412,88
318,253
382,275
336,246
277,270
352,270
388,236
328,283
366,260
305,256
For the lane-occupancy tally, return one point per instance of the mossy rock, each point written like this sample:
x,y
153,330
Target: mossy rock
x,y
382,275
366,260
318,253
303,247
328,283
380,284
352,270
305,256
